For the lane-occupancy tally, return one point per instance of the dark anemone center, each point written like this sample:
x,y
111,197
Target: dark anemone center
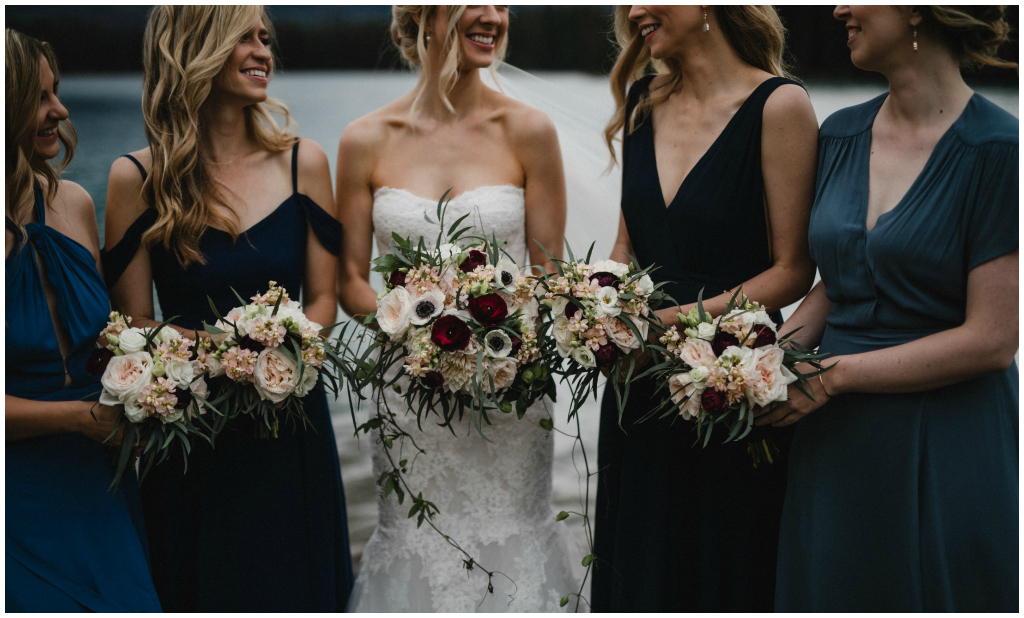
x,y
495,343
506,277
424,309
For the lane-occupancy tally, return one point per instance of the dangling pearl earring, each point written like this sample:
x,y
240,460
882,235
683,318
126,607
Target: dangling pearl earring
x,y
915,38
706,26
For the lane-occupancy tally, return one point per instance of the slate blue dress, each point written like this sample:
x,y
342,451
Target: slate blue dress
x,y
679,527
72,545
907,502
254,525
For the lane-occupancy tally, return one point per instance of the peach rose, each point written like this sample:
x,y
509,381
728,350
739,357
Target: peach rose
x,y
125,377
502,370
394,312
686,394
275,376
621,334
697,353
766,379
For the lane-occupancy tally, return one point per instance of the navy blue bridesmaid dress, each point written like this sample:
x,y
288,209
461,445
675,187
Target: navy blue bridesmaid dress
x,y
679,527
907,502
72,544
254,525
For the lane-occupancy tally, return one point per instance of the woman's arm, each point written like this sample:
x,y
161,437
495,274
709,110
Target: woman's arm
x,y
789,154
356,160
810,318
320,300
622,248
985,343
536,143
27,418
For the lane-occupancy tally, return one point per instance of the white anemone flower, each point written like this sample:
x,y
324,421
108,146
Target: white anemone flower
x,y
505,274
427,306
497,343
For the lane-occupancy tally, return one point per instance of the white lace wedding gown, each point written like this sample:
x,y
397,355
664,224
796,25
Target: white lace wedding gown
x,y
494,498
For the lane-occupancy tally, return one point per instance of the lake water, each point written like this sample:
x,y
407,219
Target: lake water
x,y
107,113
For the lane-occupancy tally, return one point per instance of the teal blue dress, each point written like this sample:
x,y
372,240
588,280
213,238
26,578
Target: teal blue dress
x,y
907,502
254,525
72,544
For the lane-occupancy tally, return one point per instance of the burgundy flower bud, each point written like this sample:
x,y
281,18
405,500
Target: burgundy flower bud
x,y
433,379
474,259
184,396
98,360
248,343
517,344
605,279
722,341
450,333
712,401
396,278
765,335
570,310
490,309
606,354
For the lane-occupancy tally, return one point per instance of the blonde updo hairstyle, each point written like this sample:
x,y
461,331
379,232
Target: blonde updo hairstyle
x,y
973,33
755,32
184,49
24,168
411,40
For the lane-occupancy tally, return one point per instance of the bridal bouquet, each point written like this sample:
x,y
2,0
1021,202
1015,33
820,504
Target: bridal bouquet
x,y
462,320
156,375
268,356
720,370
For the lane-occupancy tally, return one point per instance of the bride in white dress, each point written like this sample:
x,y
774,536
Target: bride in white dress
x,y
501,161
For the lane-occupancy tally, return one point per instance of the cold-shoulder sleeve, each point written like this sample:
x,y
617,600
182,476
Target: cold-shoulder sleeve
x,y
993,221
326,228
117,258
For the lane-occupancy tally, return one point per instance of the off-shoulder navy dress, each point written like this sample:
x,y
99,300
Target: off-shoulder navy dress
x,y
907,502
679,527
72,544
254,525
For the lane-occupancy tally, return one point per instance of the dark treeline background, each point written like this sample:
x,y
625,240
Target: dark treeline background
x,y
550,38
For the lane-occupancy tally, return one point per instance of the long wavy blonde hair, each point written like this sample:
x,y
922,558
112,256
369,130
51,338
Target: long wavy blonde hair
x,y
410,39
755,32
23,167
184,48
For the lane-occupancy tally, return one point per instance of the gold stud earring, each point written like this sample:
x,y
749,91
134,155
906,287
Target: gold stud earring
x,y
915,38
706,26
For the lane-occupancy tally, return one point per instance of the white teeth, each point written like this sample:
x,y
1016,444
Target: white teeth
x,y
483,40
255,72
648,30
851,33
47,132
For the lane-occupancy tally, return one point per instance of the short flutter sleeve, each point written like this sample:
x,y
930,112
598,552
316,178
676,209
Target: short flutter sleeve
x,y
326,228
117,258
993,221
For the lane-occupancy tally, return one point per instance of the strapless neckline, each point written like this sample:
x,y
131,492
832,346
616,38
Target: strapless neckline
x,y
504,187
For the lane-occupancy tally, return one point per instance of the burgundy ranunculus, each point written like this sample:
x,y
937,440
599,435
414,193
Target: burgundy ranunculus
x,y
517,344
605,279
490,309
433,379
450,333
712,401
722,341
184,396
765,335
474,259
570,310
98,360
606,354
248,343
396,278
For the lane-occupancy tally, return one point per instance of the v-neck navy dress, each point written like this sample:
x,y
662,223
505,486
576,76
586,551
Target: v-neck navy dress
x,y
253,525
679,527
907,502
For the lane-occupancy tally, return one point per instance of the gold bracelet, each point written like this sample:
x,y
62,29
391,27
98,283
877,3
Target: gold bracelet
x,y
823,386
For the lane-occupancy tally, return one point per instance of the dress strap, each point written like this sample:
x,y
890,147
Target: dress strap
x,y
295,166
40,205
117,258
142,170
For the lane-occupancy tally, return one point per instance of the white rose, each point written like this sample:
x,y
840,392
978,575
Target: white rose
x,y
309,378
214,368
558,304
529,312
563,336
131,340
608,301
126,376
173,416
180,372
275,376
646,285
167,334
585,357
699,374
706,331
132,410
611,266
448,253
394,312
621,334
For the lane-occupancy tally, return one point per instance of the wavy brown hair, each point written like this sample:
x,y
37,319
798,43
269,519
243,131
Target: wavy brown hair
x,y
755,32
974,33
24,168
410,39
184,49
